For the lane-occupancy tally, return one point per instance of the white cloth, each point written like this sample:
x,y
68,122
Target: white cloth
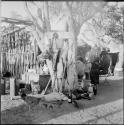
x,y
45,69
64,52
33,77
49,63
60,69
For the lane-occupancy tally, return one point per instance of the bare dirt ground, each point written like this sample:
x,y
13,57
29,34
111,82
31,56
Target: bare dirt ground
x,y
105,108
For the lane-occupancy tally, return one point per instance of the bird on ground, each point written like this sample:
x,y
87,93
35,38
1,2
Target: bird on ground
x,y
31,101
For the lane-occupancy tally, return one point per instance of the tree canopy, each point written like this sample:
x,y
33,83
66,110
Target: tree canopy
x,y
111,22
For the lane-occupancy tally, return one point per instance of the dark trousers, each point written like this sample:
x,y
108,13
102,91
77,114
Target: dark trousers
x,y
94,76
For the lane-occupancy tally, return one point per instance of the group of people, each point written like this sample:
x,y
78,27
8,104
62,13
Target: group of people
x,y
97,63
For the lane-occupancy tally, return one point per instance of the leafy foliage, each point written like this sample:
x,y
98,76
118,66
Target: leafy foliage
x,y
111,21
115,29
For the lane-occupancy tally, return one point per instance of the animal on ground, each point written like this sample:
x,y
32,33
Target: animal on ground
x,y
30,100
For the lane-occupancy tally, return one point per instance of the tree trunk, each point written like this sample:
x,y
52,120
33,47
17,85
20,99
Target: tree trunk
x,y
72,75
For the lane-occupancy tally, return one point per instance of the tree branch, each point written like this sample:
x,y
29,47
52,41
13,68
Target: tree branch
x,y
34,19
46,15
97,10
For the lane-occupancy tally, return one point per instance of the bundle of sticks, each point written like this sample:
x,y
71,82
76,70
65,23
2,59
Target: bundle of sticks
x,y
14,56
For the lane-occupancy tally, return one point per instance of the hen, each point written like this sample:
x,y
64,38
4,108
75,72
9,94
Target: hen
x,y
30,100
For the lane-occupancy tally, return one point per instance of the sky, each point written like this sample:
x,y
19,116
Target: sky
x,y
8,7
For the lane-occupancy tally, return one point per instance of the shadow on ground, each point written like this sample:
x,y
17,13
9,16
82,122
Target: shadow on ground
x,y
20,115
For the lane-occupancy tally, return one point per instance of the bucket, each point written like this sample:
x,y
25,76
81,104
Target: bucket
x,y
2,91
